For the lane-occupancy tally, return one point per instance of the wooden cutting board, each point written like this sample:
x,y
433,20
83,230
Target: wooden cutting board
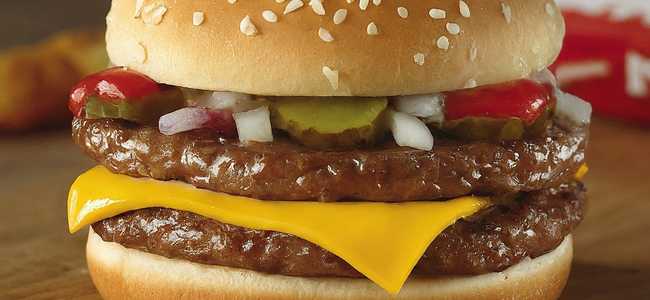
x,y
40,260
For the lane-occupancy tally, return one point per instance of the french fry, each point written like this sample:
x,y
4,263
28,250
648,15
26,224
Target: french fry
x,y
35,80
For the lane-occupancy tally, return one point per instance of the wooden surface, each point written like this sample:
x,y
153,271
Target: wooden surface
x,y
40,260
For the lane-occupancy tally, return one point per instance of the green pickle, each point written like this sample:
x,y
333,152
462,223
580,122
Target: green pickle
x,y
328,122
490,129
143,111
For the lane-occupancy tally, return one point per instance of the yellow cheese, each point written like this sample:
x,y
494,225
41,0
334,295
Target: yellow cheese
x,y
582,172
382,241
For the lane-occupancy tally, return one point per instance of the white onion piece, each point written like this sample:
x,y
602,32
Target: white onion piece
x,y
254,125
545,77
429,106
184,119
236,102
409,131
572,108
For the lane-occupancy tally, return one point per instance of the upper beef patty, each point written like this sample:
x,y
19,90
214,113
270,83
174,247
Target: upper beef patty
x,y
492,240
283,170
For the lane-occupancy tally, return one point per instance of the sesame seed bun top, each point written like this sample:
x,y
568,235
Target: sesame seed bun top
x,y
333,47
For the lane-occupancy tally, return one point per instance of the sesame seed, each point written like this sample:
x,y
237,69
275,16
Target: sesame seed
x,y
279,1
403,12
198,18
340,15
247,27
139,4
363,4
453,28
473,53
464,9
535,49
350,1
418,58
507,12
141,53
269,16
372,29
325,35
376,2
293,5
443,43
524,65
232,1
470,84
317,7
153,14
437,13
332,76
550,10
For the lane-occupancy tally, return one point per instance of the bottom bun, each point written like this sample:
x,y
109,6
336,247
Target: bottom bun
x,y
121,273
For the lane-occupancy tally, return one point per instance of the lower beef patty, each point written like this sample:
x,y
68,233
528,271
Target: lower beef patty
x,y
283,170
492,240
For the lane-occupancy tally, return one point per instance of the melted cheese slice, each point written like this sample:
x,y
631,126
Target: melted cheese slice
x,y
582,172
382,241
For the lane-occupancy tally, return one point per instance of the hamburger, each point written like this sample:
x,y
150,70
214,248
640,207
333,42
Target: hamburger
x,y
329,150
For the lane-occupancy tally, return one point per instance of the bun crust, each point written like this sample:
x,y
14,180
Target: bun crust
x,y
121,273
501,40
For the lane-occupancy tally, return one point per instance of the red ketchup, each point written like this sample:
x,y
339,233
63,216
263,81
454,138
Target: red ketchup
x,y
111,84
222,122
120,84
524,99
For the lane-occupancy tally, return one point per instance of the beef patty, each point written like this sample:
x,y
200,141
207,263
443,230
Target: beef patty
x,y
492,240
283,170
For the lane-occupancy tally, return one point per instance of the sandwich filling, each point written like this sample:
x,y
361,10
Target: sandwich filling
x,y
453,183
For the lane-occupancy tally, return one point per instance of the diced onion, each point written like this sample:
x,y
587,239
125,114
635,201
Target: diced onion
x,y
184,119
572,108
236,102
254,125
545,77
409,131
429,106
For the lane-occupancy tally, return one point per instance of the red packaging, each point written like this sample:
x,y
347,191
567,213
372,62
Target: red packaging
x,y
606,56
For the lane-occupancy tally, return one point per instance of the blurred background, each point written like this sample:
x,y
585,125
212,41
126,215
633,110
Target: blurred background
x,y
38,258
26,22
46,46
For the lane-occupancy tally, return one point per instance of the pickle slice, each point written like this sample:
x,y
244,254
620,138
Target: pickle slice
x,y
541,125
143,111
490,129
331,122
476,128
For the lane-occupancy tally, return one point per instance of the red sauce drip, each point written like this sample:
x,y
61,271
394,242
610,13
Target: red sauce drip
x,y
111,84
524,99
